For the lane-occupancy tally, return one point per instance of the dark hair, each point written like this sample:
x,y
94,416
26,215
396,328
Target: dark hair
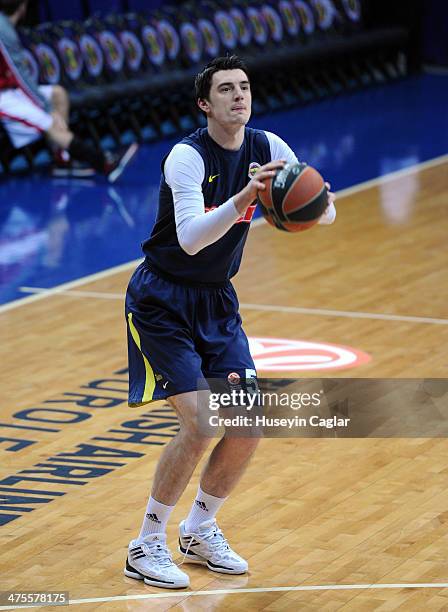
x,y
203,80
9,7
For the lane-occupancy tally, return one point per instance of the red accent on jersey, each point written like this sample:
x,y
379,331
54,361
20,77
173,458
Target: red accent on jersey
x,y
7,79
21,120
247,218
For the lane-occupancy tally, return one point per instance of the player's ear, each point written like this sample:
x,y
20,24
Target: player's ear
x,y
203,104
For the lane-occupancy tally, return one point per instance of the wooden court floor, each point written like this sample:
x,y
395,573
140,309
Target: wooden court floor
x,y
76,462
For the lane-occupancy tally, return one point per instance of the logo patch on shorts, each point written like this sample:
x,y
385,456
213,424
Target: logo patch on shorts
x,y
234,378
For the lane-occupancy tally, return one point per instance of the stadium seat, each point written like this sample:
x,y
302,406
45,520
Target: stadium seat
x,y
133,71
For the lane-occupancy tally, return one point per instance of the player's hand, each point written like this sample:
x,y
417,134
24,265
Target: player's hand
x,y
267,171
246,196
329,214
331,195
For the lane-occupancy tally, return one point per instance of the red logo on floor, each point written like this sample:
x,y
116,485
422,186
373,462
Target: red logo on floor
x,y
280,355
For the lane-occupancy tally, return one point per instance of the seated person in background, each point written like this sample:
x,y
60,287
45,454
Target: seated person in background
x,y
29,111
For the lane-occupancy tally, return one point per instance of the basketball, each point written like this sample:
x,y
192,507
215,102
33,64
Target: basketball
x,y
294,199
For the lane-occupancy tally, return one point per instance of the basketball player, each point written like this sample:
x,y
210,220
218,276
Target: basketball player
x,y
29,111
183,321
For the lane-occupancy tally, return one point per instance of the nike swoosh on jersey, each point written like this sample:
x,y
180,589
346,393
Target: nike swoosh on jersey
x,y
211,178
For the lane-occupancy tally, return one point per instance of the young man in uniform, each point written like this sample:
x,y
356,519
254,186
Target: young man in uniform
x,y
29,111
182,315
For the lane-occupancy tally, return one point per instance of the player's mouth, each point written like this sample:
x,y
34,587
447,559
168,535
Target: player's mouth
x,y
238,108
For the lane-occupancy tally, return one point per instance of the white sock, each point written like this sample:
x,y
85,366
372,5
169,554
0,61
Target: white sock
x,y
204,508
156,518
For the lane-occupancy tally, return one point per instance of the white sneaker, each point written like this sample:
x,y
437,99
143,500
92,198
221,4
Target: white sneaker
x,y
208,546
150,560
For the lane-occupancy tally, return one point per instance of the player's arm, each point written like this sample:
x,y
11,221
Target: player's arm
x,y
280,150
184,173
11,50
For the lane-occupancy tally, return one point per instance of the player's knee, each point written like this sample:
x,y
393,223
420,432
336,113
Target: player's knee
x,y
195,440
59,136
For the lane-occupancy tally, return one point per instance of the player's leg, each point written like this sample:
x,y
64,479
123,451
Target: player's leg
x,y
58,133
227,464
24,121
175,466
163,363
60,102
148,556
200,539
61,137
182,454
227,355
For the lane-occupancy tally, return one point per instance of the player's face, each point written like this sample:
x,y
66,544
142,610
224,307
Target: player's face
x,y
230,99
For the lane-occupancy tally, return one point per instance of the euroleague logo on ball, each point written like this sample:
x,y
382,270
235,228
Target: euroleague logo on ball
x,y
281,355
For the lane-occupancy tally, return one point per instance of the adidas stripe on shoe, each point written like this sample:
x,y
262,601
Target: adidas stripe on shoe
x,y
150,560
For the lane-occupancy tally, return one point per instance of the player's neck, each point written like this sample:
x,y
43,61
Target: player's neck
x,y
227,137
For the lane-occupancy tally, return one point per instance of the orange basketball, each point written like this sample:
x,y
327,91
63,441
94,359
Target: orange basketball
x,y
294,199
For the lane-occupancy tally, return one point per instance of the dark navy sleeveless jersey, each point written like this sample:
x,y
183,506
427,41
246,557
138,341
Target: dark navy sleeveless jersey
x,y
220,261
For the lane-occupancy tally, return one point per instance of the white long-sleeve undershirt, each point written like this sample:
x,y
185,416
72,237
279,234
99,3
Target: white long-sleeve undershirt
x,y
184,173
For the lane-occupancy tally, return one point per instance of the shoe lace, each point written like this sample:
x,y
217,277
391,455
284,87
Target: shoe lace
x,y
159,553
185,553
215,539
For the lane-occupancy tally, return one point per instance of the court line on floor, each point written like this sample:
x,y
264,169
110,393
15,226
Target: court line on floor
x,y
285,589
69,285
344,313
392,176
75,293
267,308
256,223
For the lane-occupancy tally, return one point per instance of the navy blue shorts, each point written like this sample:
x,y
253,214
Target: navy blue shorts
x,y
179,335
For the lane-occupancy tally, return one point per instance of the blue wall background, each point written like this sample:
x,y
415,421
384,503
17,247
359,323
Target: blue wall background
x,y
435,32
55,10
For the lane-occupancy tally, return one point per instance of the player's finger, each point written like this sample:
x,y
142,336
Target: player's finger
x,y
260,186
264,174
328,186
274,164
